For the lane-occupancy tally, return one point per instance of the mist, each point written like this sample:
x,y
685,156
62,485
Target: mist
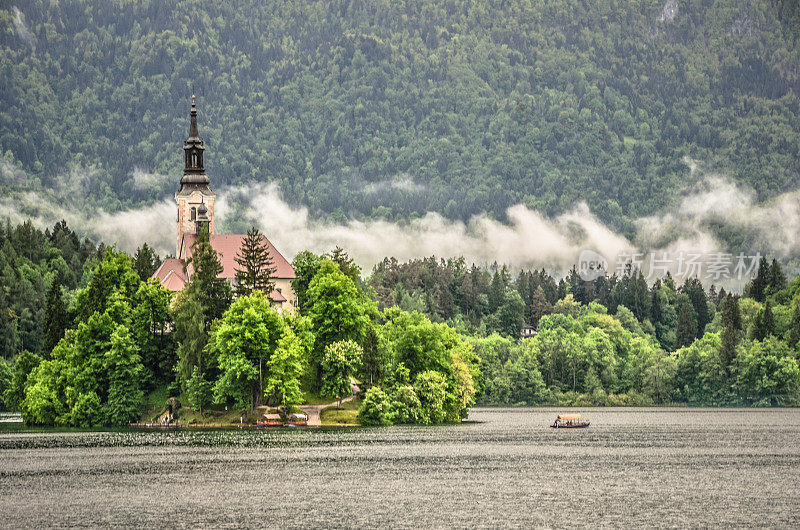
x,y
528,239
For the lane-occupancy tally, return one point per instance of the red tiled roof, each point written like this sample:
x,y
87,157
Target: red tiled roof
x,y
171,275
173,282
228,245
276,296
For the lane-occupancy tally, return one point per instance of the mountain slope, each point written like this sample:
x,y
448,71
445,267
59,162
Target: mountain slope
x,y
390,108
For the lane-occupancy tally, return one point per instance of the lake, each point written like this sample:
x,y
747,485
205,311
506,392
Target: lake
x,y
505,467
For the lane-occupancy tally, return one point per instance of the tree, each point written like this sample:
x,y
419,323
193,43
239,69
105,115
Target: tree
x,y
511,315
285,370
5,382
764,325
199,390
376,409
56,320
338,310
687,327
697,296
306,265
151,328
247,336
114,278
757,288
339,364
145,262
431,389
775,280
212,292
346,263
539,306
768,374
124,368
190,335
256,266
732,326
15,393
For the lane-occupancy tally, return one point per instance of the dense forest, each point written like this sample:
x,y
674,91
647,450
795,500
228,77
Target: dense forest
x,y
85,336
392,109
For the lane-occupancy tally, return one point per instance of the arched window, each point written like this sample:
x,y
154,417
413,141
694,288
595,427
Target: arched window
x,y
194,159
193,214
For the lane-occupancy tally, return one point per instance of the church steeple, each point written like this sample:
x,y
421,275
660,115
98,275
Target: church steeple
x,y
194,174
194,199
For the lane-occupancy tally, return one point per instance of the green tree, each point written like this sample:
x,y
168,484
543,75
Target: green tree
x,y
285,370
5,382
732,326
56,320
246,338
200,391
151,328
767,374
124,368
212,292
376,409
306,265
256,266
338,310
339,364
190,335
687,327
15,392
145,262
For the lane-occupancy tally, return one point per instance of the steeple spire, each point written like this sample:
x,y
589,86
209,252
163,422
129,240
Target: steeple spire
x,y
194,174
193,119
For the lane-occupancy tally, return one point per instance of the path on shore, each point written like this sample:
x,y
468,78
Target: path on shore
x,y
314,411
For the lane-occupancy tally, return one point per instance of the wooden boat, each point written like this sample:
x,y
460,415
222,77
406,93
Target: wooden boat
x,y
297,420
270,420
569,421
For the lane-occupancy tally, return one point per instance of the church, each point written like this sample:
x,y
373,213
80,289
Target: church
x,y
195,203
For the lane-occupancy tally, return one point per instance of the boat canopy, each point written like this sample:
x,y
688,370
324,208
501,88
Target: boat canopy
x,y
569,416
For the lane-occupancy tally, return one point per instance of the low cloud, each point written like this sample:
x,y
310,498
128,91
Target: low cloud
x,y
404,184
714,217
143,180
22,30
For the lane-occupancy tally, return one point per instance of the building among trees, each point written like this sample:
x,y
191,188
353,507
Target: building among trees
x,y
195,203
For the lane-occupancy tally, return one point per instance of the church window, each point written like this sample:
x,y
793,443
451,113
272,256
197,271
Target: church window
x,y
193,214
194,159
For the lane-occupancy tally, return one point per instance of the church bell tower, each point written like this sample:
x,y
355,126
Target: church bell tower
x,y
195,199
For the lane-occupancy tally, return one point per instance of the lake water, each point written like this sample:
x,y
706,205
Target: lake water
x,y
506,467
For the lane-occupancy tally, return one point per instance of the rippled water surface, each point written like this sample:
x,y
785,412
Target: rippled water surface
x,y
632,467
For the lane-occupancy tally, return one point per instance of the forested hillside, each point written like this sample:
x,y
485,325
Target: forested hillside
x,y
393,108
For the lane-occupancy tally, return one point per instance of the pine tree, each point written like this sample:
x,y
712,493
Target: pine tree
x,y
656,309
213,292
776,280
56,320
346,263
764,325
685,332
768,320
256,267
732,325
757,288
693,288
539,307
145,262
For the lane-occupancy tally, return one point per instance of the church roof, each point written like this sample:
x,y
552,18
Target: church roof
x,y
228,245
171,274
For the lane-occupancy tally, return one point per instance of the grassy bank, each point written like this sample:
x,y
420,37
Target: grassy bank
x,y
348,415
